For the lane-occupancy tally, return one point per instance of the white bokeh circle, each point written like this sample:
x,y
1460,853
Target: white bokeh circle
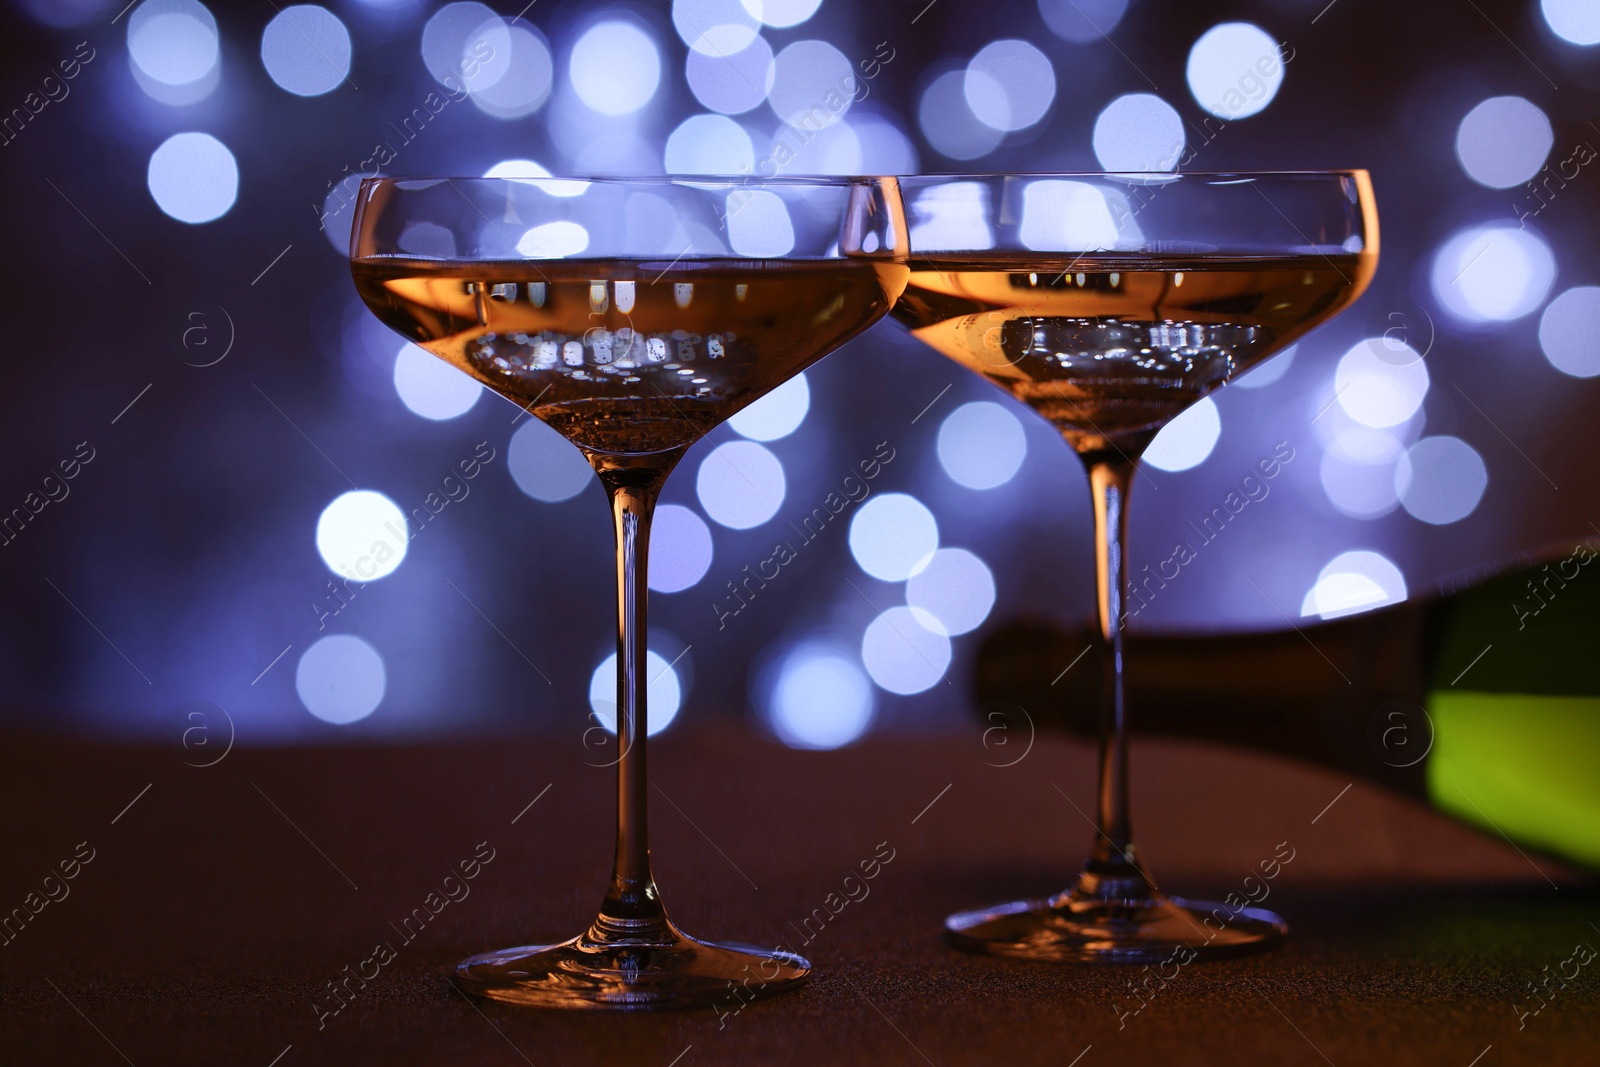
x,y
740,485
892,536
1352,582
1138,132
615,67
1381,382
663,691
432,388
904,651
776,415
306,50
545,465
1440,480
1009,84
1234,70
956,590
1574,21
340,679
1504,141
362,535
822,699
1569,332
982,445
193,178
1492,274
1187,440
680,549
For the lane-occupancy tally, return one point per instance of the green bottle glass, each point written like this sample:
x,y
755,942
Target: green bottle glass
x,y
1483,701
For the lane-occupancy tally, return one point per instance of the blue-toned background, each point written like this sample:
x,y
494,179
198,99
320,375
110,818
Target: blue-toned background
x,y
193,391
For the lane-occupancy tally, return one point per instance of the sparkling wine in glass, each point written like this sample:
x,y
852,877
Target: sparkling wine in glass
x,y
1109,304
632,318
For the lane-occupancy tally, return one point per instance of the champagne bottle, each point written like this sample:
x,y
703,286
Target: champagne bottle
x,y
1483,702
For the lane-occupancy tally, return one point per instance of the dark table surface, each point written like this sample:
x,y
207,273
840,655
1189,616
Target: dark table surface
x,y
221,903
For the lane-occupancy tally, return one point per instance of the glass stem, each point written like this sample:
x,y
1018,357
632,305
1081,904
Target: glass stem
x,y
632,910
1113,870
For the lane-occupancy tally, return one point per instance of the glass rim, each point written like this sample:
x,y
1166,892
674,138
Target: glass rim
x,y
803,181
1165,175
844,180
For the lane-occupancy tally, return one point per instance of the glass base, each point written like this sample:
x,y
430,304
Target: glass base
x,y
672,971
1077,928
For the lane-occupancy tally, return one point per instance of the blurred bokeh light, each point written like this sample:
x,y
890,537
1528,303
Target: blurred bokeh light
x,y
280,506
820,699
982,444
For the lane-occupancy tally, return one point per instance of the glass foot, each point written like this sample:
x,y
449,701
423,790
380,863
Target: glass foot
x,y
674,971
1158,929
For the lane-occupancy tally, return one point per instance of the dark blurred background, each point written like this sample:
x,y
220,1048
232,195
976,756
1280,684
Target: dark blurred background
x,y
193,391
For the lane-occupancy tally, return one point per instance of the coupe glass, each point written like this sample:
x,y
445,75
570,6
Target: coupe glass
x,y
631,315
1109,303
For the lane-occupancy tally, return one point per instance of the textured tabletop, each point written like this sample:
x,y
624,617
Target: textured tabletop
x,y
217,903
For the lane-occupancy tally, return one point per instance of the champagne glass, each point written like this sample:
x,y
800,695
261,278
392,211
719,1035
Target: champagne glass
x,y
1109,303
632,315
